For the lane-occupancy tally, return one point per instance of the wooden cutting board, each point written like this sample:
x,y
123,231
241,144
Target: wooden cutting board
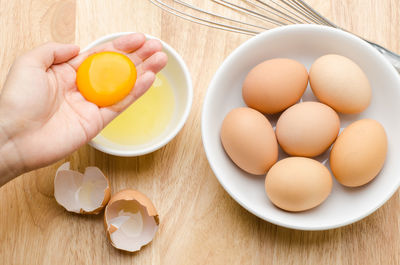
x,y
200,223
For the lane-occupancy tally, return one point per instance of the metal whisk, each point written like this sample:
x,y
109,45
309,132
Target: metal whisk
x,y
252,17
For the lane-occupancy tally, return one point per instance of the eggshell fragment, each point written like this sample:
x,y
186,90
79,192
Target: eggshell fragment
x,y
274,85
130,220
359,153
307,129
249,140
298,184
86,193
340,83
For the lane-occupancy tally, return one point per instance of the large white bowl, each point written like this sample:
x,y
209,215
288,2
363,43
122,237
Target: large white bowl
x,y
305,43
178,76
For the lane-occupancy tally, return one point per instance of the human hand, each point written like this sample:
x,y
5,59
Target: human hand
x,y
43,117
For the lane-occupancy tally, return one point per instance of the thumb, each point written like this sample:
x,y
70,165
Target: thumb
x,y
50,53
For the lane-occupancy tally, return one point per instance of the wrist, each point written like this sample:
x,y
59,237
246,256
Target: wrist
x,y
10,162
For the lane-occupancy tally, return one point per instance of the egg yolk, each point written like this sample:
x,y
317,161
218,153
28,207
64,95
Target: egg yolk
x,y
105,78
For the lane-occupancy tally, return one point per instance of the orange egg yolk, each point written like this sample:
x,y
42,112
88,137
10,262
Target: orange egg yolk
x,y
105,78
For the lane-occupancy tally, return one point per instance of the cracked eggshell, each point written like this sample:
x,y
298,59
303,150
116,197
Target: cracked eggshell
x,y
130,220
86,193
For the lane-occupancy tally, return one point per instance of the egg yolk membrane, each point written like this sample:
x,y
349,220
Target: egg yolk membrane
x,y
106,78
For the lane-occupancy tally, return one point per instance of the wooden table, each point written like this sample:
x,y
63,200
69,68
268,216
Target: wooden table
x,y
200,223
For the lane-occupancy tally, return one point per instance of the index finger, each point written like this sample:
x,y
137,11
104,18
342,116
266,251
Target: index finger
x,y
126,44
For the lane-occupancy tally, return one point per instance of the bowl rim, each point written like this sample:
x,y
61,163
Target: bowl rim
x,y
182,120
205,106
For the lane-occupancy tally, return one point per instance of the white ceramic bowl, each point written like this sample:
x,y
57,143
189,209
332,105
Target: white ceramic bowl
x,y
305,43
178,76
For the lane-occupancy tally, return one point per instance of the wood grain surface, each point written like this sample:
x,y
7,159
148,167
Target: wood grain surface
x,y
200,223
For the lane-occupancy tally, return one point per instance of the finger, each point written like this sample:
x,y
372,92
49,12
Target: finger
x,y
148,49
154,63
129,43
142,85
126,44
50,53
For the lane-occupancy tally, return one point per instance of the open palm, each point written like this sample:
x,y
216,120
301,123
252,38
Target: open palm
x,y
46,116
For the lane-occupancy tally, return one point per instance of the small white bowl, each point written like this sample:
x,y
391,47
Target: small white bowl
x,y
305,43
179,78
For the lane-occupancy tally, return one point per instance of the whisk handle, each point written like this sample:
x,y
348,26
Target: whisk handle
x,y
393,58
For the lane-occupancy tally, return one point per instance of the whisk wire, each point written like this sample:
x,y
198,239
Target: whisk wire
x,y
309,12
249,12
218,16
316,13
276,13
300,10
201,21
273,12
286,10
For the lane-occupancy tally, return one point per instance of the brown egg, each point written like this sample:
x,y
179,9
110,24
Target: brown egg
x,y
274,85
249,140
298,184
307,129
340,83
359,153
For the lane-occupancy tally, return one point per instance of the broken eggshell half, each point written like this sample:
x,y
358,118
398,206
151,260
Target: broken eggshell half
x,y
131,220
86,193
